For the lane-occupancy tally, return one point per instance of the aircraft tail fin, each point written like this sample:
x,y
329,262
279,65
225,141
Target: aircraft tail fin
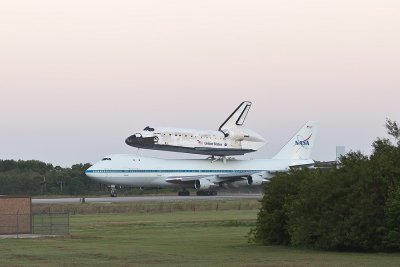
x,y
238,116
300,146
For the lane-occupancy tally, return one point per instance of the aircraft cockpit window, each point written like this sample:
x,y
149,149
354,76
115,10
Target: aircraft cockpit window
x,y
148,128
106,159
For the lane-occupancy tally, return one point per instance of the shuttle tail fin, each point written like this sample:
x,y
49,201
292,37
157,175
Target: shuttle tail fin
x,y
238,117
300,146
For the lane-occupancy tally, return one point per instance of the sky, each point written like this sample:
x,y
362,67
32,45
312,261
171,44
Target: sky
x,y
78,77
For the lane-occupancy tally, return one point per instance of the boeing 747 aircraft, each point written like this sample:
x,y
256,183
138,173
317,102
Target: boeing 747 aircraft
x,y
230,139
203,174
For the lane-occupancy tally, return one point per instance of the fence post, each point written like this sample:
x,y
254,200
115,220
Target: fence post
x,y
51,223
17,223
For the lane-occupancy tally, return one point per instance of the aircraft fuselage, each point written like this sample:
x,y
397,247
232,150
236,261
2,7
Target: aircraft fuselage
x,y
134,171
217,143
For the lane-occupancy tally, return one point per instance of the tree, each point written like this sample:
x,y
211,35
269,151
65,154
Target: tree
x,y
355,206
34,177
393,129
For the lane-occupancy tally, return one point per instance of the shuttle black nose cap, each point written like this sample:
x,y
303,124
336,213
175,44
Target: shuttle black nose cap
x,y
140,141
131,140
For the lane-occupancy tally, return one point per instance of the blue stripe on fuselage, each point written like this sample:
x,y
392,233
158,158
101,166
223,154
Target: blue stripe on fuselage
x,y
170,171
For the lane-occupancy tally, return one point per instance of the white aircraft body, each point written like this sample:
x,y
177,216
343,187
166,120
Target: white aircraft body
x,y
230,139
204,174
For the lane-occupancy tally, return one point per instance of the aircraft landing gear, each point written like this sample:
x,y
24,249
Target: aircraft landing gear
x,y
113,191
184,193
207,193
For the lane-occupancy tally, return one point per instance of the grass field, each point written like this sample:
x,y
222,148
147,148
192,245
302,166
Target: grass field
x,y
180,238
150,206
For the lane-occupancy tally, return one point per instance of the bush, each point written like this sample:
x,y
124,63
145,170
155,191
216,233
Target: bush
x,y
352,207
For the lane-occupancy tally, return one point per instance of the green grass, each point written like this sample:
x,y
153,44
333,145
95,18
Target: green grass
x,y
149,207
182,238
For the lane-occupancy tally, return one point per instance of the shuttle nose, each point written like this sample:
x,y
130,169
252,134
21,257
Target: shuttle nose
x,y
137,140
131,140
134,140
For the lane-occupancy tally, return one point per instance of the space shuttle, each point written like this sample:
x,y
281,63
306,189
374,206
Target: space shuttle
x,y
229,140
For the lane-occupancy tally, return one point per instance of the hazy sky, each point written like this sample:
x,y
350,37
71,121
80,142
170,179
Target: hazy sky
x,y
78,77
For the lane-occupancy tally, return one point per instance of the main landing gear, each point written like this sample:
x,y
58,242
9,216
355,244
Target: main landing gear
x,y
198,193
113,191
184,193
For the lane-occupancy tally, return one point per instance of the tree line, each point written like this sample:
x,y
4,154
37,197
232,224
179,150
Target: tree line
x,y
353,206
33,177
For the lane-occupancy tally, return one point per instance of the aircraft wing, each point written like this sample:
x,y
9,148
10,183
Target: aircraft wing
x,y
218,178
292,166
304,165
299,166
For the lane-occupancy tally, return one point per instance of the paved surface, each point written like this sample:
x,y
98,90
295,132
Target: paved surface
x,y
143,199
24,236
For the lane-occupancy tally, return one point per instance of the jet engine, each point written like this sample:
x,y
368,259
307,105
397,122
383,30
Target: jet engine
x,y
252,180
203,184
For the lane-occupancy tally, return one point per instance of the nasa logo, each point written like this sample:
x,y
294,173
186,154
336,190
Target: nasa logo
x,y
304,142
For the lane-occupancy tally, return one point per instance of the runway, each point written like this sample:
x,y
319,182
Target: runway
x,y
36,201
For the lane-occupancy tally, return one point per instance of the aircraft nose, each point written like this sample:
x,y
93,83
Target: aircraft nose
x,y
89,171
131,140
137,140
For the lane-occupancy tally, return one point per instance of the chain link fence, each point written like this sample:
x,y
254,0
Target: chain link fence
x,y
40,224
51,224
